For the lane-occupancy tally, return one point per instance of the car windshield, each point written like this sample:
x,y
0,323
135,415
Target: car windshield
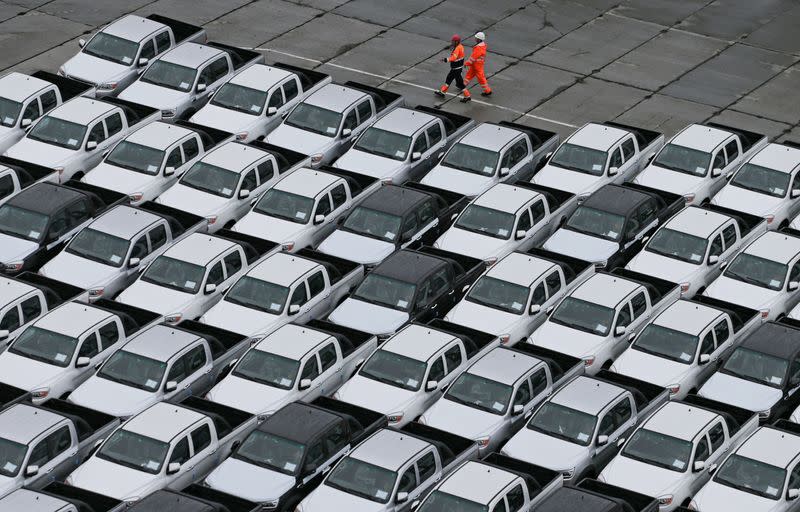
x,y
286,206
667,343
762,180
272,452
315,119
584,316
564,423
9,112
267,368
384,143
58,132
394,369
486,221
678,245
136,157
100,247
363,479
756,366
135,451
440,501
45,346
170,75
11,457
113,48
373,223
22,223
258,294
133,370
240,98
752,476
212,179
498,294
594,222
386,291
480,393
471,159
659,450
683,159
176,274
757,271
580,159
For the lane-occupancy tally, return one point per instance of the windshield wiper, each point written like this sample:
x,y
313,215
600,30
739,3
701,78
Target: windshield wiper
x,y
248,305
746,279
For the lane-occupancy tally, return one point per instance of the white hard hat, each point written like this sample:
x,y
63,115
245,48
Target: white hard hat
x,y
481,36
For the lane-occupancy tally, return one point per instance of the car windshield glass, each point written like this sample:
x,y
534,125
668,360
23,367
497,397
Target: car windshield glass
x,y
9,111
286,206
761,179
752,476
659,450
440,501
58,132
667,343
580,159
45,346
365,480
486,221
100,247
386,291
564,423
394,369
678,245
136,157
267,368
685,160
315,119
257,294
176,274
113,48
594,222
212,179
499,294
472,159
11,457
170,75
584,316
133,370
757,367
271,451
135,451
384,143
480,393
22,223
757,271
373,224
240,98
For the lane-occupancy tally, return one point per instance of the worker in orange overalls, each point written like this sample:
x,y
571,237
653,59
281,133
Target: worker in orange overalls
x,y
475,65
456,60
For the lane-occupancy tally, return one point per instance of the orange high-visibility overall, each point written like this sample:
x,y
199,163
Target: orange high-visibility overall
x,y
475,67
456,60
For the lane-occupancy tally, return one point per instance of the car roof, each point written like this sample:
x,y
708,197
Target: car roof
x,y
299,422
700,137
409,266
21,423
72,318
199,248
775,246
772,446
18,87
687,316
489,136
159,135
616,199
778,157
11,289
492,480
404,120
418,342
81,110
597,136
775,339
520,268
160,342
587,394
260,77
124,221
335,97
681,420
31,501
132,27
605,289
163,421
45,198
503,365
192,55
292,341
697,221
389,448
282,268
306,182
505,197
394,200
234,156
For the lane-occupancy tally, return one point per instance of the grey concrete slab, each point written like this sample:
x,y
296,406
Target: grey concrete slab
x,y
380,54
463,17
245,26
777,99
665,12
273,57
50,59
343,75
665,114
8,10
429,73
29,4
384,12
95,13
662,59
414,95
325,5
732,19
526,84
596,44
748,122
325,37
793,135
25,36
779,34
479,111
590,100
563,131
729,76
194,11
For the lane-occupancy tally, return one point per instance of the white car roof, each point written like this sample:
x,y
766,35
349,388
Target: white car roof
x,y
778,157
11,289
282,268
124,221
681,420
520,268
81,110
260,77
405,121
418,342
192,55
489,136
687,316
335,97
160,342
31,501
772,446
132,27
21,423
389,449
72,319
587,394
506,198
234,156
697,221
775,246
306,182
503,365
158,135
492,480
605,289
597,136
700,137
199,248
163,421
18,87
292,341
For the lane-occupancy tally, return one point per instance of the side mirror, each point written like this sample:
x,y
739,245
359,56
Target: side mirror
x,y
32,470
620,330
645,239
431,385
143,61
169,171
271,111
416,155
83,362
792,494
715,172
794,193
134,262
415,504
612,171
201,87
96,447
210,288
620,442
81,43
402,497
294,309
712,468
698,466
91,145
535,308
505,171
520,234
171,386
602,440
723,265
713,259
25,122
304,384
517,410
173,467
440,155
729,176
346,133
793,285
704,359
548,155
319,219
244,194
550,310
465,288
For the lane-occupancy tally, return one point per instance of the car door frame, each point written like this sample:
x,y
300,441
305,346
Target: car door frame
x,y
50,471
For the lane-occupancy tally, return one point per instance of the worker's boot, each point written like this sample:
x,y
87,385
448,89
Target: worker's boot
x,y
486,93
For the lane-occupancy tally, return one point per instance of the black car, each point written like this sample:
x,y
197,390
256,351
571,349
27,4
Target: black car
x,y
595,496
194,498
609,227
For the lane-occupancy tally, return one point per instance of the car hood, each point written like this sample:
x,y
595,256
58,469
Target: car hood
x,y
475,245
325,499
268,228
543,450
192,200
461,420
248,396
367,317
13,248
153,95
248,481
564,179
566,340
299,140
112,397
92,69
224,119
660,178
375,395
652,264
47,155
366,163
579,245
81,272
742,393
109,479
747,201
739,292
151,297
355,247
116,178
640,477
228,315
716,497
482,318
461,182
26,373
649,368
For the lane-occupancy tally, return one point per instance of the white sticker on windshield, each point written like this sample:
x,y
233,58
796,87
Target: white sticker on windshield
x,y
34,234
583,437
226,190
381,495
502,232
775,380
286,382
330,129
774,283
10,467
613,234
275,306
184,85
400,154
8,120
685,357
412,382
773,491
699,169
497,406
678,464
596,167
72,142
300,215
189,284
601,328
389,235
61,357
115,258
516,305
255,108
289,466
152,168
778,190
488,169
695,257
151,383
127,60
402,303
152,464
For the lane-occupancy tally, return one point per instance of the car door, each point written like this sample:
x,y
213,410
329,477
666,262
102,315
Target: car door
x,y
299,297
320,296
32,111
10,321
514,160
88,347
109,336
311,372
617,422
615,161
442,296
191,371
201,462
436,143
220,71
97,133
790,298
707,347
429,223
331,366
248,183
344,142
524,396
140,250
793,205
539,230
541,298
48,453
181,454
216,276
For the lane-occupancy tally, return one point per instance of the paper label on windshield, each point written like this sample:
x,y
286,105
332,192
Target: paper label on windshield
x,y
774,283
488,169
275,306
412,382
601,328
152,464
775,380
34,234
497,406
151,383
583,437
285,382
381,495
184,85
613,234
330,129
189,284
226,191
685,357
8,120
695,257
502,232
10,467
289,466
596,167
300,215
127,60
772,490
389,235
778,190
255,108
700,169
152,168
402,303
516,305
72,142
61,357
678,464
400,154
115,259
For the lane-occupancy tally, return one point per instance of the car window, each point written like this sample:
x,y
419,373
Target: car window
x,y
539,295
421,144
180,453
707,346
109,334
139,249
717,436
622,412
310,369
616,159
729,235
178,371
249,181
315,456
607,426
206,76
201,438
453,358
647,213
794,479
31,309
434,133
732,150
702,451
516,499
796,182
537,211
77,213
437,370
339,196
316,283
158,237
553,282
722,332
439,283
538,381
324,205
409,228
427,213
351,121
114,124
327,356
195,359
515,154
10,321
408,482
290,89
335,439
266,171
794,275
39,455
190,148
6,185
364,111
49,101
148,50
276,99
89,347
175,159
59,441
59,224
216,275
523,394
524,223
628,149
639,304
716,246
219,68
624,317
32,111
300,296
500,507
426,466
719,160
162,41
233,262
98,133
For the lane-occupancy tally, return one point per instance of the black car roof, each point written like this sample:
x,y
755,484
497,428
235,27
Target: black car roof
x,y
570,498
394,200
166,500
616,199
775,339
299,422
45,198
409,266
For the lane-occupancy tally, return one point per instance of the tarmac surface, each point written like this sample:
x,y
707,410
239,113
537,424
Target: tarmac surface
x,y
554,64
